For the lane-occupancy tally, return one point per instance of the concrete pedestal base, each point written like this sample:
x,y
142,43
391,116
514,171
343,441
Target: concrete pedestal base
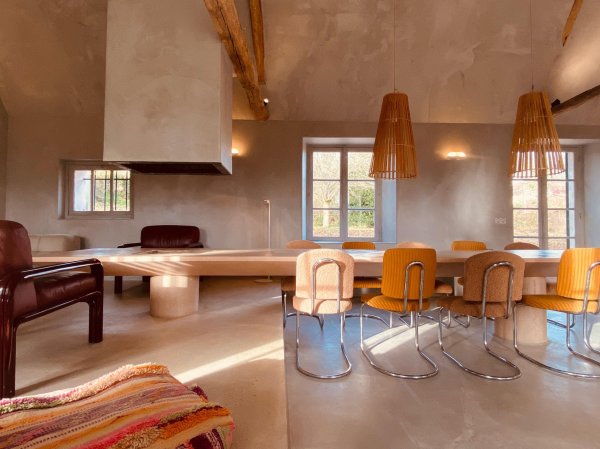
x,y
174,296
533,327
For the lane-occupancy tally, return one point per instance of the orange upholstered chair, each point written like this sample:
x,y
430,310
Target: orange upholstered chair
x,y
323,286
407,283
363,282
520,245
288,283
493,282
468,245
578,293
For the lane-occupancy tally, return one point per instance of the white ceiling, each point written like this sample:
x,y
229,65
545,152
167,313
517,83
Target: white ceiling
x,y
332,60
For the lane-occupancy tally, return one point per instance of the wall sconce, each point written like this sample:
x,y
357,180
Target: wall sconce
x,y
235,152
456,155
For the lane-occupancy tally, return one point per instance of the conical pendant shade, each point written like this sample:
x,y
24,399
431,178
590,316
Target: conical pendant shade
x,y
535,145
394,150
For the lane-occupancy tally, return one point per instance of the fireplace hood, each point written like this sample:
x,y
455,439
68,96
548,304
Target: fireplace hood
x,y
168,89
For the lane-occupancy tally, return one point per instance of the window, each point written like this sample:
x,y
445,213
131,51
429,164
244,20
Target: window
x,y
342,201
545,211
97,190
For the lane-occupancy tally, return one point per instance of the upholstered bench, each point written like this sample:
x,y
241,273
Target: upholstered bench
x,y
54,242
139,406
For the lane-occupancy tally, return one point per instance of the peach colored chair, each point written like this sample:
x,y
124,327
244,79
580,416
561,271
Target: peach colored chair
x,y
407,283
288,283
323,286
493,282
578,293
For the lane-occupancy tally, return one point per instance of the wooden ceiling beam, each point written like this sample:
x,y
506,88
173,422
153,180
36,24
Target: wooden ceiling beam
x,y
577,100
258,39
227,23
570,23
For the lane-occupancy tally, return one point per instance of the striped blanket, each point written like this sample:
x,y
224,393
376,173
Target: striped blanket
x,y
139,406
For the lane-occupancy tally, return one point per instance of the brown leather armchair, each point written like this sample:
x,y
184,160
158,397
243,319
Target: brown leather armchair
x,y
163,236
27,293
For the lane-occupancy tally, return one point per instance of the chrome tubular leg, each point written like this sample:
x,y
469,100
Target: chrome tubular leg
x,y
392,373
586,334
562,325
284,296
571,349
485,343
540,364
434,319
462,323
373,317
322,376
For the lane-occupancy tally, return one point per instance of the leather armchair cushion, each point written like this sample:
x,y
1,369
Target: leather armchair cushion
x,y
169,236
57,289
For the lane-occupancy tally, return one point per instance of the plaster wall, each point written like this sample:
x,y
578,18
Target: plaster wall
x,y
449,200
3,153
592,193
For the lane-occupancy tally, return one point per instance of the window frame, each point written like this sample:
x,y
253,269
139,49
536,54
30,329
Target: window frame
x,y
343,208
69,168
542,209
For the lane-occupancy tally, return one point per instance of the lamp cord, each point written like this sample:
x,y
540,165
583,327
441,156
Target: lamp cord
x,y
531,39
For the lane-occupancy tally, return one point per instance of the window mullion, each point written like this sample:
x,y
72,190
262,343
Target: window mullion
x,y
543,210
344,193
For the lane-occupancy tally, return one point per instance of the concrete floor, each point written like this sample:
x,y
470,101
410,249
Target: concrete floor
x,y
234,349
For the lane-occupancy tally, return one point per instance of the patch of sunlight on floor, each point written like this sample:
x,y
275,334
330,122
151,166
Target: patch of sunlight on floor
x,y
391,339
271,351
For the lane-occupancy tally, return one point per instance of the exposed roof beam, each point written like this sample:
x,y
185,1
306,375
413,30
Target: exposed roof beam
x,y
558,107
258,39
570,23
226,20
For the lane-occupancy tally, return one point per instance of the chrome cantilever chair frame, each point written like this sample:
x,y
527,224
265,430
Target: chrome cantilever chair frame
x,y
414,319
485,337
586,337
318,264
284,297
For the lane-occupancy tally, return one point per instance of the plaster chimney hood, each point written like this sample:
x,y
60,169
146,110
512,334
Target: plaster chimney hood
x,y
168,89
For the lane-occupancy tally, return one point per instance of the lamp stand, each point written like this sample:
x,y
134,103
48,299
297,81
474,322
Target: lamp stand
x,y
268,203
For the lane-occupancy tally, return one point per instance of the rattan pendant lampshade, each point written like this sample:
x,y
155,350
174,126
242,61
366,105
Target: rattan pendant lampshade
x,y
535,144
394,149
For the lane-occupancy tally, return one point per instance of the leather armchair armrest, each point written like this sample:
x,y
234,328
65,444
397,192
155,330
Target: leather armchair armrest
x,y
196,245
8,283
129,245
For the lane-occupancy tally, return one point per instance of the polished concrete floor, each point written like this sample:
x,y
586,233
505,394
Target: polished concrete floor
x,y
234,349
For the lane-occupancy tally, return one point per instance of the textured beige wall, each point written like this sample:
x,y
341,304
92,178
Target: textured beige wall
x,y
3,154
448,200
592,193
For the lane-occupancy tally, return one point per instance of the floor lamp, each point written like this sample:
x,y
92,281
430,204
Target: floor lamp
x,y
268,203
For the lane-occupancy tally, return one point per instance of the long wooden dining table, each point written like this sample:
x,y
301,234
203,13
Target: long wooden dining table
x,y
174,272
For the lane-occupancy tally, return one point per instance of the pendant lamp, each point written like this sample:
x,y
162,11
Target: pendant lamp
x,y
394,149
535,146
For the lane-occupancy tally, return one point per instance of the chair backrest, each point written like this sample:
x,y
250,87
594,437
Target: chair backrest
x,y
468,245
302,244
169,236
327,275
521,245
358,245
412,245
395,262
572,273
498,279
15,248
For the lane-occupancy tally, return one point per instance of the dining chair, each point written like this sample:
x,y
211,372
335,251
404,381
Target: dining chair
x,y
520,245
363,281
408,282
466,245
493,282
288,283
578,293
323,286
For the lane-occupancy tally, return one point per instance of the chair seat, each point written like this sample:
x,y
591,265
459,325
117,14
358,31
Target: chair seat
x,y
325,306
458,305
367,282
391,304
558,303
442,288
288,284
58,289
